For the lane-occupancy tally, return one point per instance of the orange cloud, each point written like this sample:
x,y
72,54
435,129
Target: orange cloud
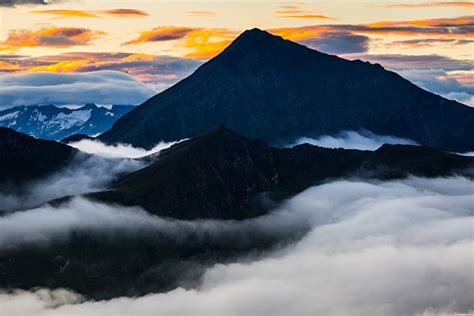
x,y
51,37
121,13
455,28
295,12
201,13
125,13
158,34
7,66
306,16
202,43
459,4
206,43
70,13
459,21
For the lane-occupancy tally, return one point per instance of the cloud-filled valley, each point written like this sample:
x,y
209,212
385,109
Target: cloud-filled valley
x,y
98,148
82,175
363,140
372,248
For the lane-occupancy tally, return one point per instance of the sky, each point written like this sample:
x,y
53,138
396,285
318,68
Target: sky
x,y
158,43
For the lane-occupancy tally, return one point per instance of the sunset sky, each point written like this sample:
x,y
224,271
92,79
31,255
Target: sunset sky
x,y
158,43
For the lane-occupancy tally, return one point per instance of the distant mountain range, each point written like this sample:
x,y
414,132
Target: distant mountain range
x,y
53,122
263,86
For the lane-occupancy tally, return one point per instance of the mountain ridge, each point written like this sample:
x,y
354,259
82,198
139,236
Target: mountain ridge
x,y
223,175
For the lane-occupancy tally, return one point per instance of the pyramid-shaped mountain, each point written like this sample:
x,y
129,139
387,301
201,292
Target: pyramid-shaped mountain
x,y
266,87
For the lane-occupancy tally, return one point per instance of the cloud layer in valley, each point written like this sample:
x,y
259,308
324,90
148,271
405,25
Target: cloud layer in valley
x,y
104,87
117,151
82,175
352,140
382,248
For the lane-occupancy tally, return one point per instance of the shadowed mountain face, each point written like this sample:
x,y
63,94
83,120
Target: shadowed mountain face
x,y
265,87
24,158
223,175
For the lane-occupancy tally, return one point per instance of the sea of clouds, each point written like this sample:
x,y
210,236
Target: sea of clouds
x,y
373,248
368,248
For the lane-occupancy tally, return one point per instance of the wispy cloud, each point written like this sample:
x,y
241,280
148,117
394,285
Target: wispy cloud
x,y
121,13
296,12
158,72
51,37
202,43
159,34
426,42
201,13
67,13
453,28
456,4
125,13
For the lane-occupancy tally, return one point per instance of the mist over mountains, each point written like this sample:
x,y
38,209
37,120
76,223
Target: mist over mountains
x,y
275,180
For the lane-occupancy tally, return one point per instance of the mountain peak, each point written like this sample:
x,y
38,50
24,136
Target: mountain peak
x,y
255,37
255,33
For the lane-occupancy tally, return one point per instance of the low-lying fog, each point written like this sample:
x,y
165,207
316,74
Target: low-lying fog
x,y
371,248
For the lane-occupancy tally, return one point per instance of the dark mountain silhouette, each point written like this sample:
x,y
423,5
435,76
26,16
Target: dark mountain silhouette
x,y
24,158
223,175
76,137
265,87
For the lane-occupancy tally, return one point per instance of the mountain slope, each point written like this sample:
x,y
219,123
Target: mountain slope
x,y
51,122
221,174
24,158
265,87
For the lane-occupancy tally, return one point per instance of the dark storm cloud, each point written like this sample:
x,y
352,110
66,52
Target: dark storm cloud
x,y
416,61
339,43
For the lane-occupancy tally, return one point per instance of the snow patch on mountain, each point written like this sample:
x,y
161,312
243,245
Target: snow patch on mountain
x,y
9,116
75,118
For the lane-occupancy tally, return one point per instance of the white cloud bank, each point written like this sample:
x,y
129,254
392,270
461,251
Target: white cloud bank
x,y
119,150
103,87
352,140
82,175
381,248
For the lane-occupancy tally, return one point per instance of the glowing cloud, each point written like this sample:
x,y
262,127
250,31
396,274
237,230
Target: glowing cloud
x,y
201,13
158,34
51,37
457,4
125,13
121,13
69,13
